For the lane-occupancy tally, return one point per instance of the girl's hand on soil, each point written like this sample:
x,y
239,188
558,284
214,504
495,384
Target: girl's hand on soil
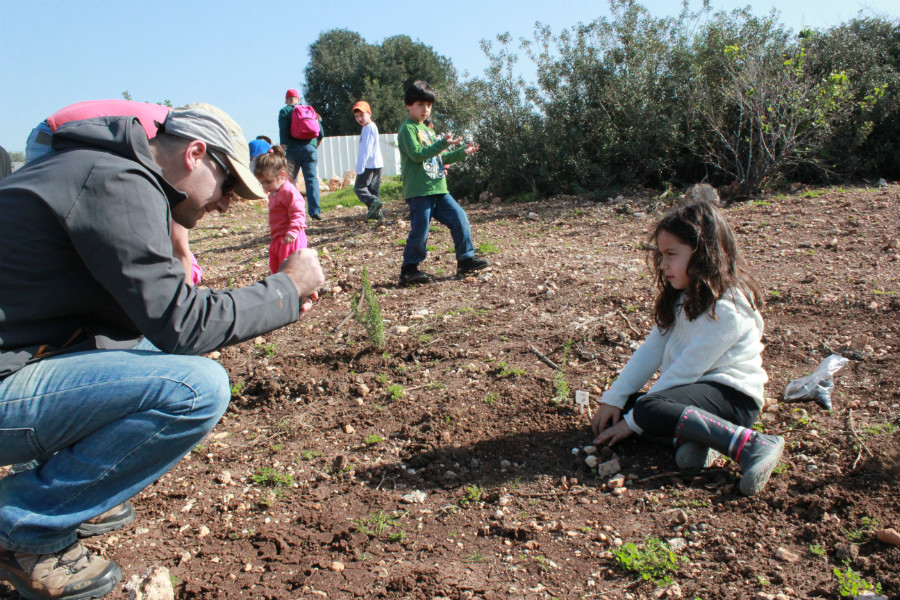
x,y
605,416
471,148
289,238
613,435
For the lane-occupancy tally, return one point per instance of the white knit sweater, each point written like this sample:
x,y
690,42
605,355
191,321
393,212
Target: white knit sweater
x,y
726,350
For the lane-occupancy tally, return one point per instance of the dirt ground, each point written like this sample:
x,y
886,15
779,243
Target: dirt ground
x,y
444,464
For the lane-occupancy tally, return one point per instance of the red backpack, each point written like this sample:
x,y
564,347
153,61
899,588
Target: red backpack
x,y
304,125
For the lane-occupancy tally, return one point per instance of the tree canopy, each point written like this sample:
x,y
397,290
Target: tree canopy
x,y
344,68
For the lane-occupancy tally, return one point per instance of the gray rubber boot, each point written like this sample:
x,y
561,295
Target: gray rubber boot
x,y
691,455
756,453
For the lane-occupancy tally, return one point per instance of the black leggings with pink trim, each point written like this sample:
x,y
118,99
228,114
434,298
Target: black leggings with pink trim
x,y
657,413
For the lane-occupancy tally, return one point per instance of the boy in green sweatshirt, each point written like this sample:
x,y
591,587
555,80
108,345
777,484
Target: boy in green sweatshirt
x,y
422,160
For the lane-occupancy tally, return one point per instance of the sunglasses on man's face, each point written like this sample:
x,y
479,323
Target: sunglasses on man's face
x,y
229,183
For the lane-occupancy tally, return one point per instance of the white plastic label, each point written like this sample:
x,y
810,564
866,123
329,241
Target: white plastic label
x,y
581,399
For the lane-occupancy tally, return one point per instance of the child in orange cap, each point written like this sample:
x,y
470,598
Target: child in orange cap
x,y
368,162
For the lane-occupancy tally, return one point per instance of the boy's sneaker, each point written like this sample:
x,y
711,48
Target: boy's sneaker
x,y
374,212
116,517
471,264
70,574
411,275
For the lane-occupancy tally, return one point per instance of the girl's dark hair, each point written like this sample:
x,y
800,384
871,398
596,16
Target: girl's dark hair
x,y
418,91
272,162
716,264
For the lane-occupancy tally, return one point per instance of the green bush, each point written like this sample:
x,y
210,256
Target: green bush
x,y
727,97
653,561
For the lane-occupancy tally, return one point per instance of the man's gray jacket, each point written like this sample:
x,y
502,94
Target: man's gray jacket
x,y
86,260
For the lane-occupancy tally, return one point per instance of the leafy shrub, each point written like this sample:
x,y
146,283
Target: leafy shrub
x,y
653,561
270,477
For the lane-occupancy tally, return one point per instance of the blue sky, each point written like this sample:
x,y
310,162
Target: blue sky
x,y
242,56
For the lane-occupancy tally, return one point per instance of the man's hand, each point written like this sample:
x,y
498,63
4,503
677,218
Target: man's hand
x,y
605,416
306,273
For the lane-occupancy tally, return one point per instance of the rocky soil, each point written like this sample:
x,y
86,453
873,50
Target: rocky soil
x,y
450,463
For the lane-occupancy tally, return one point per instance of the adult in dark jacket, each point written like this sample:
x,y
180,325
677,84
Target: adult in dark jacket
x,y
86,268
303,154
5,163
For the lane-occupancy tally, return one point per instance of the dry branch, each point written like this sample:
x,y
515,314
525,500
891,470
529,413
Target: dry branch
x,y
359,307
858,439
627,322
545,360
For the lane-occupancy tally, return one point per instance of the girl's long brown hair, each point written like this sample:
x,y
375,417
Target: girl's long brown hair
x,y
716,264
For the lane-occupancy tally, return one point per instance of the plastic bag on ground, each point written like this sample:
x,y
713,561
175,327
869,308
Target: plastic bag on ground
x,y
818,385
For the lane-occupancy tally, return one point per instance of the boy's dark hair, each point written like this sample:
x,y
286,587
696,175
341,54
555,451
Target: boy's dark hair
x,y
418,91
715,267
265,138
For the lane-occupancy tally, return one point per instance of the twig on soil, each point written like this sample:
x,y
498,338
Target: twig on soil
x,y
859,441
683,474
572,492
627,322
545,360
259,440
359,307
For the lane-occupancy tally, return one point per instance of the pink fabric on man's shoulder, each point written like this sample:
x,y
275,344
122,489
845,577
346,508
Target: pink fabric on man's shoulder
x,y
196,270
146,113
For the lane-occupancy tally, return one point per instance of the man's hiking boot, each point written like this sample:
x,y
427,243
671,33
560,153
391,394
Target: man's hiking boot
x,y
471,264
756,453
411,275
116,517
70,574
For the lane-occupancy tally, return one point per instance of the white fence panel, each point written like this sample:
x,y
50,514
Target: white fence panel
x,y
337,154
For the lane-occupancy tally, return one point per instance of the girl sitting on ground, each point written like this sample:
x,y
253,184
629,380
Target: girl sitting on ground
x,y
287,213
706,345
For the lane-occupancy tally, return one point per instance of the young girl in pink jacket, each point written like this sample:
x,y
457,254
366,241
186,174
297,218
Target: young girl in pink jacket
x,y
287,216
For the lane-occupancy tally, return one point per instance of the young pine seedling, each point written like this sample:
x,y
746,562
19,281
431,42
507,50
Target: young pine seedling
x,y
368,313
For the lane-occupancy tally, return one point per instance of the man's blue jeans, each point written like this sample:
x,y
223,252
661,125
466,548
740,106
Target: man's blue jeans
x,y
305,157
104,425
444,209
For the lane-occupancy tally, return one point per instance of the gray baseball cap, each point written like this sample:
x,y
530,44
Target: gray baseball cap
x,y
213,126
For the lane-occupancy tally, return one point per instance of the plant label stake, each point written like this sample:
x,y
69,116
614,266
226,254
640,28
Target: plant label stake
x,y
581,399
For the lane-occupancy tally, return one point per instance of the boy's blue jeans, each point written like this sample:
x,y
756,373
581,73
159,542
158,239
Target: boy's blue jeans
x,y
304,157
444,209
104,425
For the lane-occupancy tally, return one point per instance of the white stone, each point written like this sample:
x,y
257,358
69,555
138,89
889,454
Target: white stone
x,y
415,497
155,584
677,544
786,555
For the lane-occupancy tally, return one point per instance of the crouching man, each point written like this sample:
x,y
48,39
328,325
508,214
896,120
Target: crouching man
x,y
100,385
